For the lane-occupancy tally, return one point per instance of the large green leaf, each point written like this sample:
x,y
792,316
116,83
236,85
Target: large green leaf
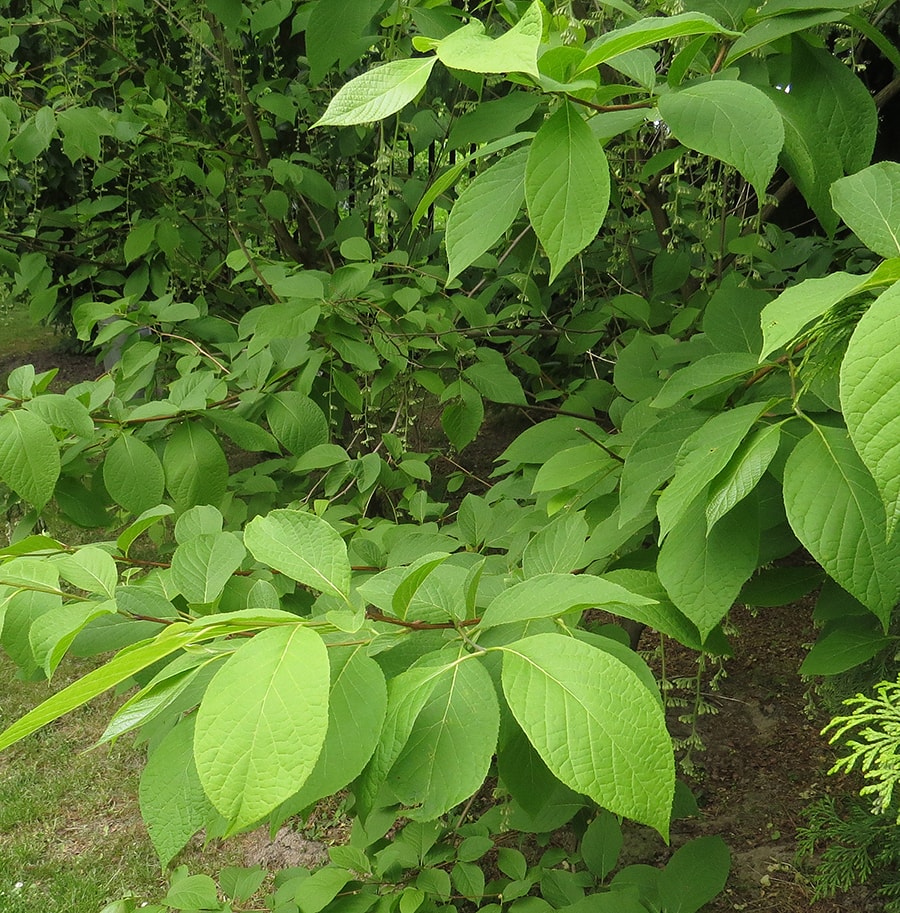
x,y
551,595
64,412
90,569
594,723
133,474
297,422
695,874
557,547
52,633
485,210
837,101
29,456
702,457
566,186
333,33
743,472
650,31
729,120
262,722
810,155
835,509
651,460
303,546
407,695
449,749
204,564
705,376
173,804
869,202
703,572
771,30
378,93
870,396
515,51
356,710
195,466
796,307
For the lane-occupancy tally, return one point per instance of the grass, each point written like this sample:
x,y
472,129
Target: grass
x,y
71,838
71,835
18,334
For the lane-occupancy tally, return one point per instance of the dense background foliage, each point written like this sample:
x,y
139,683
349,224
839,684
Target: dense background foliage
x,y
297,232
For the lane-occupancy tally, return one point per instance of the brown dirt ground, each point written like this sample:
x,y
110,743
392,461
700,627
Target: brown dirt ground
x,y
763,759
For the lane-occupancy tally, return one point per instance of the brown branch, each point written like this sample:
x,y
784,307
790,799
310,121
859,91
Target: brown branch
x,y
604,109
421,625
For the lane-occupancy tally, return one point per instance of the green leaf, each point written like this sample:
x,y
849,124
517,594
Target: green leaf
x,y
195,466
120,668
162,691
551,595
839,101
29,456
601,844
484,211
703,572
203,565
333,33
303,546
556,548
771,30
810,155
573,465
835,510
90,569
173,804
743,472
378,93
651,460
594,723
663,615
52,633
869,202
701,458
566,186
870,397
796,307
193,893
262,722
731,121
451,744
356,709
851,643
407,695
147,519
133,474
35,135
297,422
694,875
495,382
315,893
462,417
413,579
709,372
731,317
650,31
247,435
139,240
64,412
516,51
